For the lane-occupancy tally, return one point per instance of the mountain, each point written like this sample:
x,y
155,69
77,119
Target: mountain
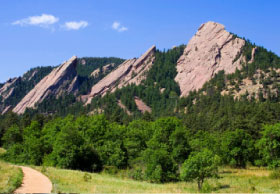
x,y
160,81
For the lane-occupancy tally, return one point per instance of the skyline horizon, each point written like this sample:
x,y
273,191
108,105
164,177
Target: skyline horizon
x,y
48,33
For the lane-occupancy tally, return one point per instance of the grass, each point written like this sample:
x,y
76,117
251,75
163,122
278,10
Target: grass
x,y
10,177
255,180
2,151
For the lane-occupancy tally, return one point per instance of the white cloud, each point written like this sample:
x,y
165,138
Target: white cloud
x,y
75,25
120,28
44,20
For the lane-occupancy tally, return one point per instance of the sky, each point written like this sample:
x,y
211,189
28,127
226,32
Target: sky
x,y
47,32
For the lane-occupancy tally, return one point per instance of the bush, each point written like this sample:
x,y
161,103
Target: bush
x,y
110,170
237,147
275,174
160,167
269,145
137,174
87,177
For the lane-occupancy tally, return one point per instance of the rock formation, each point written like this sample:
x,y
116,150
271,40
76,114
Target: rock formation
x,y
210,50
142,106
7,89
56,83
124,108
131,71
253,55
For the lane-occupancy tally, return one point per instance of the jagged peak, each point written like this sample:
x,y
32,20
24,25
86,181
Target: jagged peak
x,y
209,51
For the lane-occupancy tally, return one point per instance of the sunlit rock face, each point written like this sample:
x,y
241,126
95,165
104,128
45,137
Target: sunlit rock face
x,y
62,79
131,71
210,50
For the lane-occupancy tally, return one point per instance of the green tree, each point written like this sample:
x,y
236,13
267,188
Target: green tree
x,y
32,144
237,147
200,166
12,136
269,145
160,167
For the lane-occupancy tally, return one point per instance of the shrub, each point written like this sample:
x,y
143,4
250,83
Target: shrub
x,y
275,174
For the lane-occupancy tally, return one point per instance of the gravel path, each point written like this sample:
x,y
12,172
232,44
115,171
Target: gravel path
x,y
34,182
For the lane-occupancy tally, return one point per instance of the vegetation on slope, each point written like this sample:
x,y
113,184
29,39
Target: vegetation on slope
x,y
159,90
87,65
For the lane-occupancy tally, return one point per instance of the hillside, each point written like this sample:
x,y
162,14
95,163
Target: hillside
x,y
157,78
161,117
16,94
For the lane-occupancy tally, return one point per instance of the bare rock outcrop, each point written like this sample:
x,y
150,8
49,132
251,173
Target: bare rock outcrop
x,y
56,83
124,108
131,71
142,106
7,89
253,55
210,50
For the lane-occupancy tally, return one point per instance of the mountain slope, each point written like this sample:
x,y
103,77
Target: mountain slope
x,y
130,72
61,79
15,89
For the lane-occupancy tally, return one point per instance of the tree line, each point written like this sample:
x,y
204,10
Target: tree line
x,y
164,150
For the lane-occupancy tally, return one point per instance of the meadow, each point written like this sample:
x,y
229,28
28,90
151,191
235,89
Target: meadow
x,y
252,179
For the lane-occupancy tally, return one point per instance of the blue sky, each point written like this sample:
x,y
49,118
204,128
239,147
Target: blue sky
x,y
48,32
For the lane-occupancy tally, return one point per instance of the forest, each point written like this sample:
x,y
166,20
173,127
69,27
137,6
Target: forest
x,y
159,151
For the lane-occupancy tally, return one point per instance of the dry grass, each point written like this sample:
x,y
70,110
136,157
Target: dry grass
x,y
231,181
10,177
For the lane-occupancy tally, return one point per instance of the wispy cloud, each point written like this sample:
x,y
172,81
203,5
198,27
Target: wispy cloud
x,y
118,27
73,25
44,20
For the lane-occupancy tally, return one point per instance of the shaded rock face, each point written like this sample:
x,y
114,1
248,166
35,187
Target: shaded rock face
x,y
132,71
210,50
7,89
62,79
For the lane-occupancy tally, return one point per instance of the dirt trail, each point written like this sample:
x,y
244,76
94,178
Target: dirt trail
x,y
34,182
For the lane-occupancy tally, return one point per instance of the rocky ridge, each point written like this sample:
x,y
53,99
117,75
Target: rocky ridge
x,y
6,90
210,50
132,71
56,83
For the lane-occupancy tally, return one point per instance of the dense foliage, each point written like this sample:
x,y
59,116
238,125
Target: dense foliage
x,y
87,65
157,151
